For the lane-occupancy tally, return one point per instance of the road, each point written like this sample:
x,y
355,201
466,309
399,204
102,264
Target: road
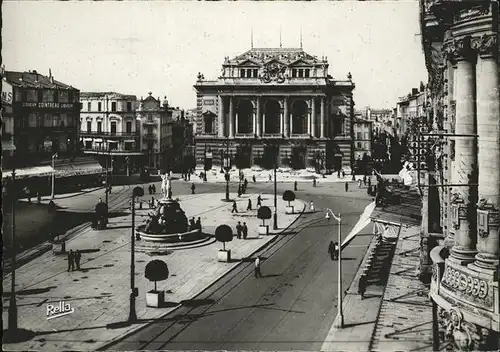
x,y
292,307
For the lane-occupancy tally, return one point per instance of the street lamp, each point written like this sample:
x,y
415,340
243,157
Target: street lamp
x,y
54,156
134,292
275,217
12,303
339,319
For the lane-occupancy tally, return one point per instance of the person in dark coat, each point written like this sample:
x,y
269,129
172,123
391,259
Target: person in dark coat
x,y
295,186
331,250
239,191
362,286
249,206
314,182
71,260
245,183
154,189
257,271
192,225
239,229
193,187
259,201
346,186
198,224
245,230
253,179
336,251
38,198
78,257
235,207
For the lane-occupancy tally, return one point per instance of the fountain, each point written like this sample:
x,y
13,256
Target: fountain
x,y
168,223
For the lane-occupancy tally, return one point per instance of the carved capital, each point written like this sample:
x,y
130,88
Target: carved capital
x,y
459,49
485,45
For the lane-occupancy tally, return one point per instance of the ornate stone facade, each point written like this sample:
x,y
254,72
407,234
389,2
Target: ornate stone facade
x,y
283,97
460,41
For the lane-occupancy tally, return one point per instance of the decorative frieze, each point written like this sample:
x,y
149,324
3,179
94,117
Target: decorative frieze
x,y
463,335
473,287
472,12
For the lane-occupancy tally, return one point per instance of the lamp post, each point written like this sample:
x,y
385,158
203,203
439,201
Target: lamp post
x,y
275,216
54,156
339,319
12,303
227,167
132,317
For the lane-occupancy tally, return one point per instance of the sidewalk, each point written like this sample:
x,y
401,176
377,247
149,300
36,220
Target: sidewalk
x,y
99,293
395,318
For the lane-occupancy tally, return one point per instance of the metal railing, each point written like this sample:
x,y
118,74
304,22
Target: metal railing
x,y
109,134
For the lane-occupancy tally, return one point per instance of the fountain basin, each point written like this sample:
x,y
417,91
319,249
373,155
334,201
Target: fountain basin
x,y
187,236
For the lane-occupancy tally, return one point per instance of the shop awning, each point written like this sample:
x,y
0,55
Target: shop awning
x,y
35,171
364,220
79,169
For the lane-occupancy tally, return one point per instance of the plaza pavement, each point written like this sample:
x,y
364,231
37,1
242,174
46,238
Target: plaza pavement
x,y
99,292
397,317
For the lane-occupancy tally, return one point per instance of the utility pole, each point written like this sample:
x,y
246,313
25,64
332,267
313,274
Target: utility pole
x,y
12,303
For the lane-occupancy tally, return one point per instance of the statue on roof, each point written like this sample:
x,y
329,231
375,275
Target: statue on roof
x,y
349,76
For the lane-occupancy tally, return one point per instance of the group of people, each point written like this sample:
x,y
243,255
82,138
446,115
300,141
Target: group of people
x,y
241,230
152,189
195,225
242,187
333,250
234,208
74,260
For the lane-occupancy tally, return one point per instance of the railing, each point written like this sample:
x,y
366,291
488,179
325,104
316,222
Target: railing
x,y
272,135
300,135
109,134
150,122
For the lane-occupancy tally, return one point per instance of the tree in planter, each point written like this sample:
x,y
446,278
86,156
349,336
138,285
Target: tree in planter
x,y
288,196
224,233
264,213
156,270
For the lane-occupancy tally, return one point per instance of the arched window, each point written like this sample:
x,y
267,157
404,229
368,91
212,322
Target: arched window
x,y
209,122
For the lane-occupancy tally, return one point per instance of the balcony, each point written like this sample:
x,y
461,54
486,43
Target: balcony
x,y
109,134
245,135
272,135
150,122
300,136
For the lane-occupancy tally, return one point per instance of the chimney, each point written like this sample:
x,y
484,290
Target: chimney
x,y
50,76
414,91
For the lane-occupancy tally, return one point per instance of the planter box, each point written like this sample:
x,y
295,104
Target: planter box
x,y
263,229
224,255
289,209
155,298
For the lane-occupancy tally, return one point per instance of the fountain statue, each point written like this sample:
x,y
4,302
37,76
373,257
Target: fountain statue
x,y
166,187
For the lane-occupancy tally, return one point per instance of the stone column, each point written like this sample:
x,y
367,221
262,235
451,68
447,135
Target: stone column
x,y
264,123
236,122
488,128
464,197
222,125
449,231
309,121
322,122
231,117
291,124
285,118
254,121
258,118
282,127
313,117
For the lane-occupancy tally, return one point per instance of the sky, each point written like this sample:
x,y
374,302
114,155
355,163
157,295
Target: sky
x,y
135,47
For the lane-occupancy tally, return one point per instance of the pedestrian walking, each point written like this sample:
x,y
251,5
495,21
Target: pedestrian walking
x,y
311,206
239,229
249,206
198,224
359,183
245,230
71,260
193,187
235,207
347,186
38,198
259,201
239,191
192,224
150,189
270,178
343,173
314,182
331,250
245,183
258,273
154,188
189,175
362,286
364,180
253,179
78,257
295,186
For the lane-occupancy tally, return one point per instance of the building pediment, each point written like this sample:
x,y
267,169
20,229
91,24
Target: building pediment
x,y
299,63
249,62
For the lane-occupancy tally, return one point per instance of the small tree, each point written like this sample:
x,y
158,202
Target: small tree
x,y
224,233
156,270
288,196
264,213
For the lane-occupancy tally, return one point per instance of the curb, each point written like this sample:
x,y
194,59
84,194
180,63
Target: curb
x,y
272,240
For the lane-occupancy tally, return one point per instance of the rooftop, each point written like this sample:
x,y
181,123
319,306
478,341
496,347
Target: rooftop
x,y
33,79
115,95
284,55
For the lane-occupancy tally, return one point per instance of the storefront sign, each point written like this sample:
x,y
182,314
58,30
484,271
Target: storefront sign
x,y
6,93
49,105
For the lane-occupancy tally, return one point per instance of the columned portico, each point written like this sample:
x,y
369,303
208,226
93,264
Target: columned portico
x,y
271,96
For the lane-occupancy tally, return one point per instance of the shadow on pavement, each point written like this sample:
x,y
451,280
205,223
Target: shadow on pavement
x,y
194,303
89,250
32,291
358,324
